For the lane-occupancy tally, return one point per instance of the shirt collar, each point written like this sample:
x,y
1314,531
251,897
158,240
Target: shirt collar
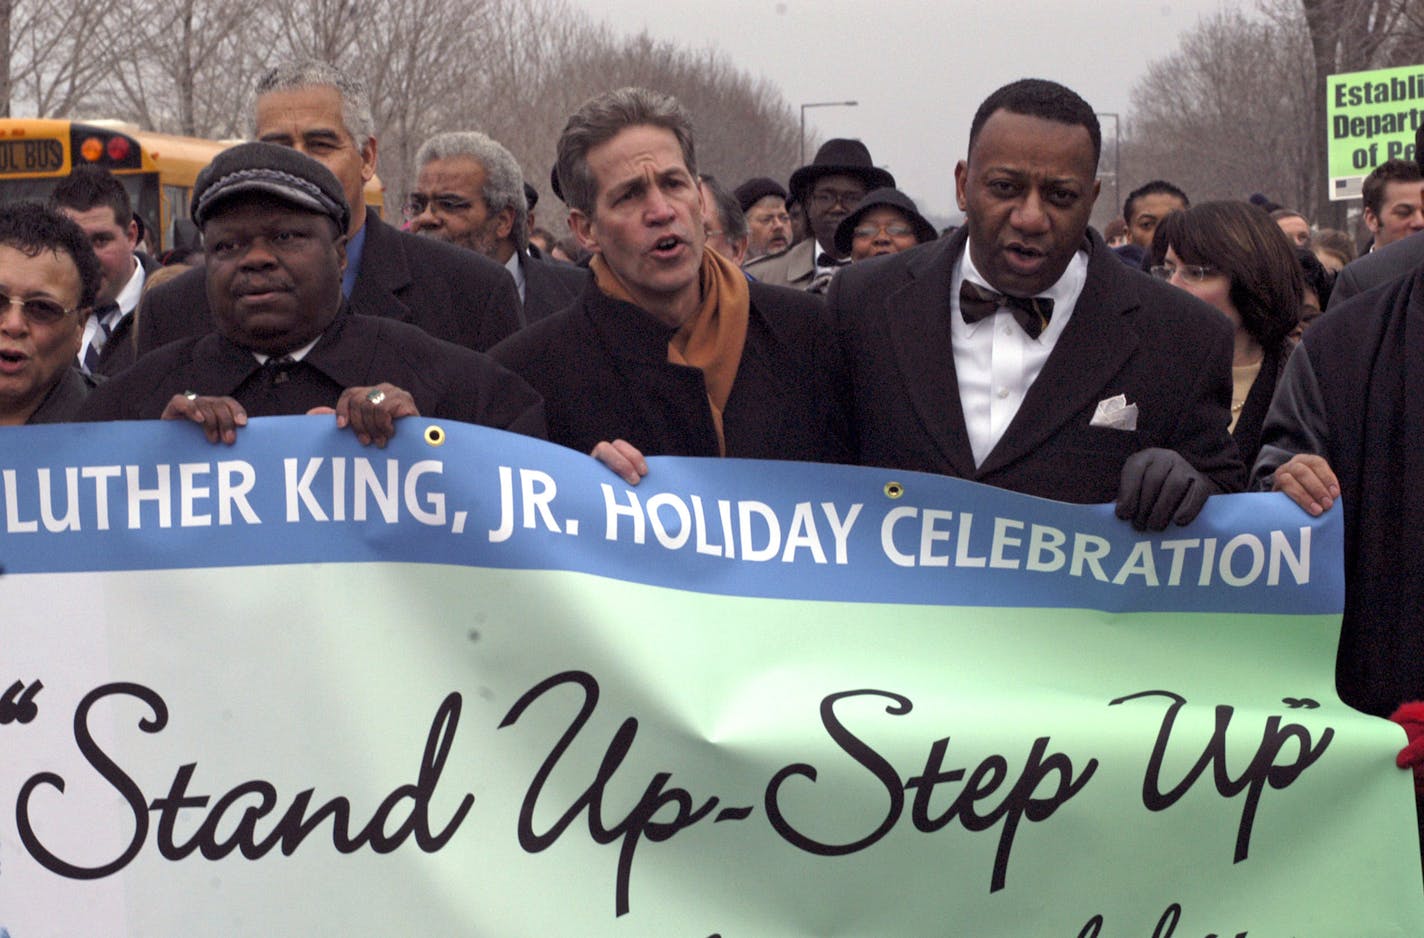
x,y
516,270
295,355
129,296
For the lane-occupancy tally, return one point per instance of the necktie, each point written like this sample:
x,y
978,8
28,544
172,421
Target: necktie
x,y
101,314
1032,312
278,370
825,260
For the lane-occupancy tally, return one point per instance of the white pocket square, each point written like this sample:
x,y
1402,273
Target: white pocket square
x,y
1115,413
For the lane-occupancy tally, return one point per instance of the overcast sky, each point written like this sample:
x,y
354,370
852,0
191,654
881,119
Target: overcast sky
x,y
919,68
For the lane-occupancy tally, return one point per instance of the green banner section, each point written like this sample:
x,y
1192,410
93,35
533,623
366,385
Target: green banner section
x,y
1370,117
419,749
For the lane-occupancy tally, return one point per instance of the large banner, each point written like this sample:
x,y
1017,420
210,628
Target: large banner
x,y
473,684
1370,117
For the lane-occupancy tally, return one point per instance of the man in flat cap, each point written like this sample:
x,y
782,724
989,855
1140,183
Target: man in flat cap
x,y
763,202
275,225
829,188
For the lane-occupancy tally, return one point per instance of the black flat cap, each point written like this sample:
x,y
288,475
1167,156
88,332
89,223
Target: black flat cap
x,y
894,198
757,188
273,170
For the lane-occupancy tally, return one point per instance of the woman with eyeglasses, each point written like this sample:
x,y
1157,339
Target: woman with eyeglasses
x,y
48,278
886,221
1233,256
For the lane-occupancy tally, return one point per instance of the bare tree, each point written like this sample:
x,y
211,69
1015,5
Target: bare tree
x,y
190,66
1240,107
513,68
418,58
58,54
1228,114
1351,36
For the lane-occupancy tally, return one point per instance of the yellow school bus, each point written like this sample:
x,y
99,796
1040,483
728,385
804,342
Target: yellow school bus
x,y
158,170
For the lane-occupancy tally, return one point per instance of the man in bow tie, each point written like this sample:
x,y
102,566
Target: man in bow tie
x,y
1036,360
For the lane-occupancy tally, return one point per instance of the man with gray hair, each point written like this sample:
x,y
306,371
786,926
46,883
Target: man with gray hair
x,y
669,350
469,191
452,294
725,222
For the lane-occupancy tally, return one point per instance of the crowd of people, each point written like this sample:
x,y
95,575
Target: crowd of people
x,y
823,320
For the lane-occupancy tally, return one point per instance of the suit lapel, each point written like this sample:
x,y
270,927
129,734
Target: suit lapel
x,y
383,275
1098,340
801,267
544,291
917,317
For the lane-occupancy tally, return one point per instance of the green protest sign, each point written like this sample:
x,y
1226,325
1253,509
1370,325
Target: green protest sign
x,y
1370,117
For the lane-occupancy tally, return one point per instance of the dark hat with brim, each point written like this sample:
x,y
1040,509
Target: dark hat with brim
x,y
276,171
757,188
894,198
841,157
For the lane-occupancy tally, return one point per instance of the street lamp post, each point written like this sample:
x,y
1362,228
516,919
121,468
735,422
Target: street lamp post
x,y
1117,155
803,119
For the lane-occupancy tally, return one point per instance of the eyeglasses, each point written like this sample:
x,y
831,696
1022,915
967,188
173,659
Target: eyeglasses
x,y
37,310
1191,273
416,204
825,198
895,231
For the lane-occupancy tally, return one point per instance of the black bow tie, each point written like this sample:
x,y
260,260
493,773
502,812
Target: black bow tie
x,y
1032,312
825,260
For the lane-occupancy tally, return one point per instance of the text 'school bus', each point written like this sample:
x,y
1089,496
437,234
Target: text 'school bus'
x,y
158,170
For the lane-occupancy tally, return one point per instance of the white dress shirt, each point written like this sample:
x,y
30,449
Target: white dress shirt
x,y
516,270
127,300
995,360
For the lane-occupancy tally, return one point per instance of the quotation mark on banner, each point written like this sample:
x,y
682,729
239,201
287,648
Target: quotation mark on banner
x,y
1296,703
17,704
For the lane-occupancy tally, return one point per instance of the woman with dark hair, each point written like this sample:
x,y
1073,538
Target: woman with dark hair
x,y
1233,256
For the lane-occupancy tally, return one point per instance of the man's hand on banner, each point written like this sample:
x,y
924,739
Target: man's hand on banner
x,y
372,412
623,458
218,416
1158,487
1309,481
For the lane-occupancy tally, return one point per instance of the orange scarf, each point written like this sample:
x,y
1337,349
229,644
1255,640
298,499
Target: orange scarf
x,y
712,338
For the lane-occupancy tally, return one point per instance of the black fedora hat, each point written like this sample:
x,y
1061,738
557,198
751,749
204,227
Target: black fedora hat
x,y
894,198
841,157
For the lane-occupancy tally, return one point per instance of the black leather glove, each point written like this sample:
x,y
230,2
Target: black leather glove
x,y
1159,486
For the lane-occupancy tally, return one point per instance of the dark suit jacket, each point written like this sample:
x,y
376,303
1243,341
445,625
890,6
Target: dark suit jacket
x,y
452,293
1379,266
549,286
1169,353
602,368
446,381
